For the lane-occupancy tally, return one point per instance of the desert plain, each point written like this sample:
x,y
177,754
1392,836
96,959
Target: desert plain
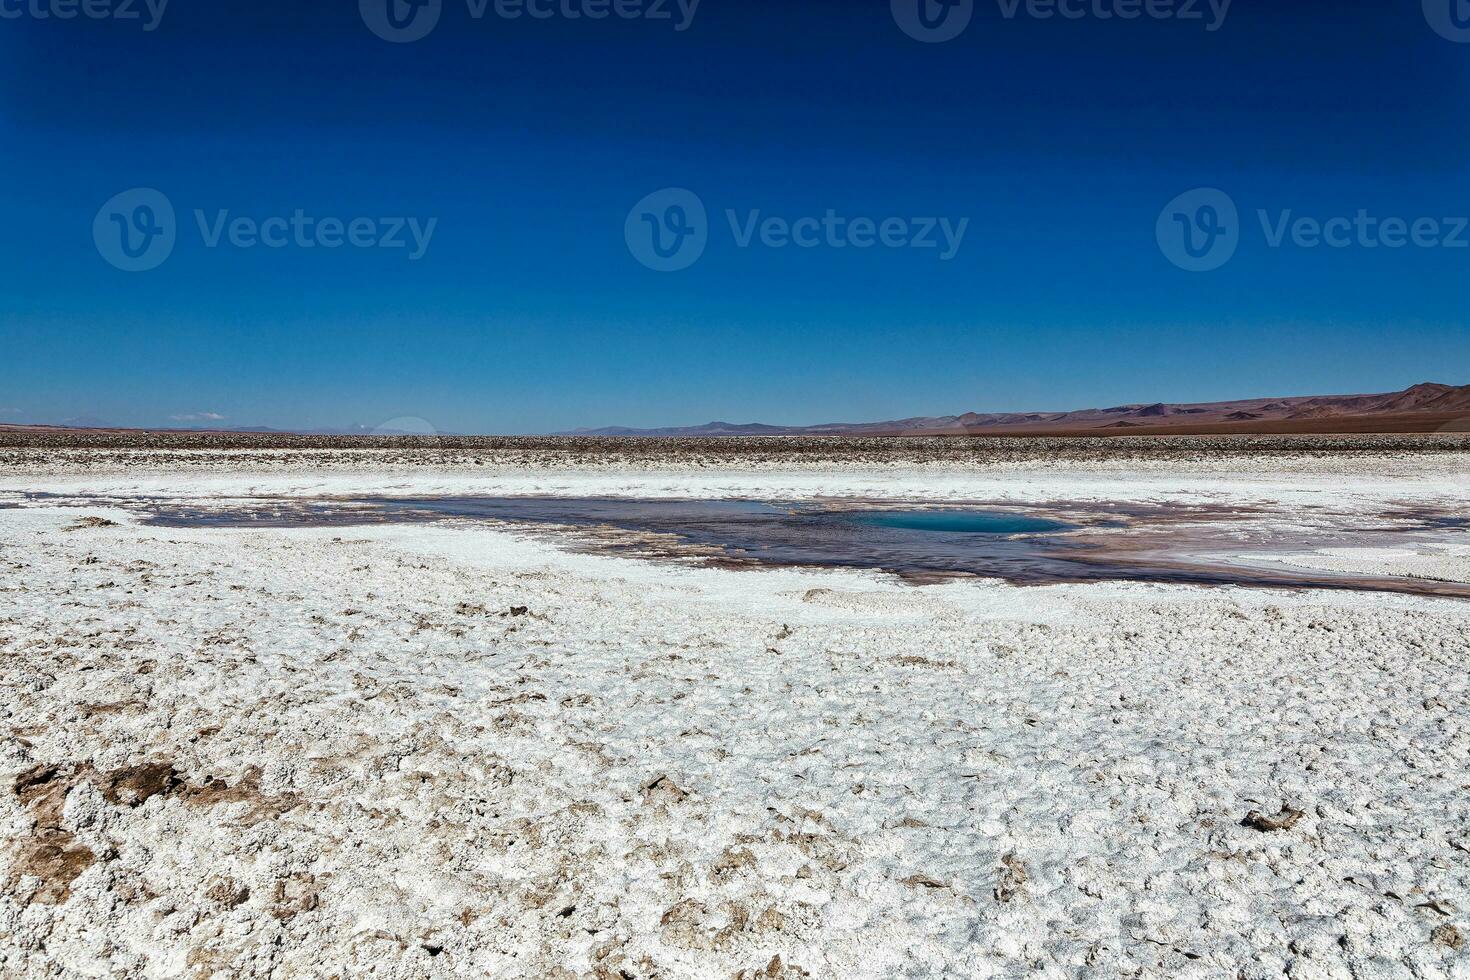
x,y
467,748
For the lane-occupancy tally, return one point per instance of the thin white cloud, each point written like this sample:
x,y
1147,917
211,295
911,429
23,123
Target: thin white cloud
x,y
198,417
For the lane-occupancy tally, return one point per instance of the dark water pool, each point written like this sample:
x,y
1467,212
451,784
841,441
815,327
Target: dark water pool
x,y
959,522
921,544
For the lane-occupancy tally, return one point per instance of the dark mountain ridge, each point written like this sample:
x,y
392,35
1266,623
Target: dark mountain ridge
x,y
1427,407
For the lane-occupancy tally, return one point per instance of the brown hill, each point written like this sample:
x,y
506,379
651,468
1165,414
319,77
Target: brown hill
x,y
1423,408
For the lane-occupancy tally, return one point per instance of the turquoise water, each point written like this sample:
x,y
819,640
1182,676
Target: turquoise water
x,y
921,545
958,522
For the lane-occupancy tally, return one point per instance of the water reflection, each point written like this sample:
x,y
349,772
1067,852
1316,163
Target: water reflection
x,y
1150,543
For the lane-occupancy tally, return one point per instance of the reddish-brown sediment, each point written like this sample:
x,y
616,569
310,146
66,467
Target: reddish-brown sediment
x,y
51,853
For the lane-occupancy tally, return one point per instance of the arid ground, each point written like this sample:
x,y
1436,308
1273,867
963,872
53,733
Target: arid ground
x,y
469,749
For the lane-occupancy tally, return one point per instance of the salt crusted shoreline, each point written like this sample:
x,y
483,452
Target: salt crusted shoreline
x,y
458,751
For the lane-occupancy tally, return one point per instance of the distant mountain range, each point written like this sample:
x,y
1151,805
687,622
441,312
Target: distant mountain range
x,y
92,422
1423,408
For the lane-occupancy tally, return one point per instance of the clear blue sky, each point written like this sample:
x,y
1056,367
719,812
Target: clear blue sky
x,y
530,140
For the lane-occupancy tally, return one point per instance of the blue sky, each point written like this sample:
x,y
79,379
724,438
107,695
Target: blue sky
x,y
528,141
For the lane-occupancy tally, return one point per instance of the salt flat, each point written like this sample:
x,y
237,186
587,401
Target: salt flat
x,y
462,750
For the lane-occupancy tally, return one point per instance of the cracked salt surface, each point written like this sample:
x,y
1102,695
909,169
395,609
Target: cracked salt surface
x,y
461,751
